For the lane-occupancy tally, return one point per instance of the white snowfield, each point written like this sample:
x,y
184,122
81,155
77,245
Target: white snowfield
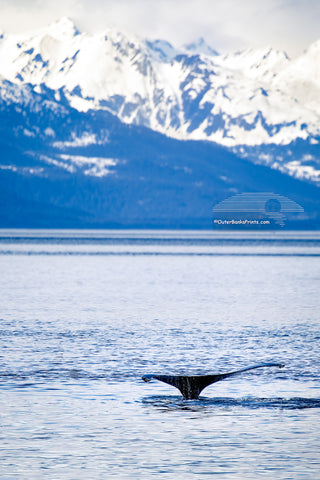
x,y
251,98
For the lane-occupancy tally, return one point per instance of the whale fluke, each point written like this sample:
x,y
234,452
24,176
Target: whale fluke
x,y
191,386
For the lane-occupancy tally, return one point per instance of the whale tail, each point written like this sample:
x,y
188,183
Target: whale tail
x,y
191,386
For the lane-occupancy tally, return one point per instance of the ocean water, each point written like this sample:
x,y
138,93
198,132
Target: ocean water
x,y
84,314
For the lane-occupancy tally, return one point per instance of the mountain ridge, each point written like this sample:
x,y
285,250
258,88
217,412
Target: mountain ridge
x,y
110,130
60,56
63,168
255,97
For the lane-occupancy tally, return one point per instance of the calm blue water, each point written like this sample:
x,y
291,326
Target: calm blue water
x,y
85,314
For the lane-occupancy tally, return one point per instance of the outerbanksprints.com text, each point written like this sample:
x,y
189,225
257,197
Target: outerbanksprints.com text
x,y
241,222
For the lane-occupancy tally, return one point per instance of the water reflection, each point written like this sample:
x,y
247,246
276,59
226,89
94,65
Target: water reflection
x,y
177,403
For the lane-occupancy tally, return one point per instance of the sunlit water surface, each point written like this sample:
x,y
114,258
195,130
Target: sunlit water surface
x,y
85,314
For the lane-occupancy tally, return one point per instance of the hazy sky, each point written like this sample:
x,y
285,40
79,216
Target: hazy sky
x,y
227,25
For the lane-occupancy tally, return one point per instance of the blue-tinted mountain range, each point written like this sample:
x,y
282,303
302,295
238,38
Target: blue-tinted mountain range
x,y
96,171
111,130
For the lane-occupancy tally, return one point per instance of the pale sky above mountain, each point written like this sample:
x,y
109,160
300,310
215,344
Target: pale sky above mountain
x,y
228,25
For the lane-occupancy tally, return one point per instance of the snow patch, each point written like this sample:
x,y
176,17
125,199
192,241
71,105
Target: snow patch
x,y
303,171
49,132
96,166
85,140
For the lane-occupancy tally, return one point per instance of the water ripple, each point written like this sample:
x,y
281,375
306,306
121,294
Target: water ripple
x,y
176,403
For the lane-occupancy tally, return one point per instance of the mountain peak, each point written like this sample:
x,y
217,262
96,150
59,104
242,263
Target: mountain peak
x,y
314,48
201,46
64,27
161,49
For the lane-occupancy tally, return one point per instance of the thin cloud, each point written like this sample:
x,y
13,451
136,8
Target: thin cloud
x,y
289,25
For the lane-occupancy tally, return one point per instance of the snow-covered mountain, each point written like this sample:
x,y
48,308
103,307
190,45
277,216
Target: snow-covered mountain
x,y
247,99
64,168
91,111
